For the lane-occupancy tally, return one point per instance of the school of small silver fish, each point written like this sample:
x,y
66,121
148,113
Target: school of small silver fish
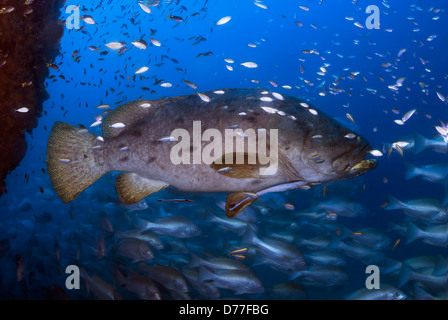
x,y
312,243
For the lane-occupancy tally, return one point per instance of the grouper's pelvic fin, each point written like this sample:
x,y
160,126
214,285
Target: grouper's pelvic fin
x,y
70,160
237,201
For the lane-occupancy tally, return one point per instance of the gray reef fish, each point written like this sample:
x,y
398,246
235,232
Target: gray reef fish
x,y
290,145
387,292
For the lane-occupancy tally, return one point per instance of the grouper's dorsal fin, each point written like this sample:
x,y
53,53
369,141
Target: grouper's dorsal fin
x,y
132,188
239,165
129,114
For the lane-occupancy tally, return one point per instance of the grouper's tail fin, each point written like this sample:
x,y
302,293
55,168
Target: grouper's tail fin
x,y
70,160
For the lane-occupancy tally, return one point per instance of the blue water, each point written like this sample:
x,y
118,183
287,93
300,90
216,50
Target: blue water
x,y
45,236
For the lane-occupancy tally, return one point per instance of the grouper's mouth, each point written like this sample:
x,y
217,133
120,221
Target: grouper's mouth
x,y
359,165
362,165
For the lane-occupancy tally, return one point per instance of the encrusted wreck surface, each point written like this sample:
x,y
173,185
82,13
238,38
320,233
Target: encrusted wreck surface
x,y
29,41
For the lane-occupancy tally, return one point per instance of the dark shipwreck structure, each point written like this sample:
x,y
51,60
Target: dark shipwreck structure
x,y
29,42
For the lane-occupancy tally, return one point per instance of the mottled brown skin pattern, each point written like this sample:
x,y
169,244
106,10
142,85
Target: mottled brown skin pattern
x,y
150,158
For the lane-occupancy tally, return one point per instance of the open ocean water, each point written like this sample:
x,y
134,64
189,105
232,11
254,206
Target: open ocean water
x,y
387,83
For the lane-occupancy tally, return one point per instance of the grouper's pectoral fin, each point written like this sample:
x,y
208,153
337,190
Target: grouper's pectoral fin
x,y
132,188
238,165
237,201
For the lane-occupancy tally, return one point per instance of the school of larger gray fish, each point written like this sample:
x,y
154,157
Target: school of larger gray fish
x,y
296,244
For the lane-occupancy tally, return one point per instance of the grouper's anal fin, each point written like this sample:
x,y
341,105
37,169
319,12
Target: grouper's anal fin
x,y
132,188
